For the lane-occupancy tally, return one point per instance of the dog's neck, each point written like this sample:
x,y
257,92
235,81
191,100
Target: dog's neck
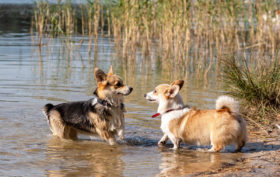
x,y
172,104
116,101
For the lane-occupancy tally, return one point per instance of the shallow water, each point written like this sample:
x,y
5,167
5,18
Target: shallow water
x,y
30,77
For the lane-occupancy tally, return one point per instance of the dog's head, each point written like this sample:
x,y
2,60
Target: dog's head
x,y
110,86
167,96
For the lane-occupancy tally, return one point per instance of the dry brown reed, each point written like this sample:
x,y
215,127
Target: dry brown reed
x,y
187,36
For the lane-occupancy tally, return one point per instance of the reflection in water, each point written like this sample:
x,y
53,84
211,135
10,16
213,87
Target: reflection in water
x,y
184,162
83,158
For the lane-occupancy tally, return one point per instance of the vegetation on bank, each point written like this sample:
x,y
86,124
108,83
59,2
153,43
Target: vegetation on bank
x,y
192,37
257,86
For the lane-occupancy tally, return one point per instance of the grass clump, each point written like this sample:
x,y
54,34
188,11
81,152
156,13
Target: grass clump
x,y
258,86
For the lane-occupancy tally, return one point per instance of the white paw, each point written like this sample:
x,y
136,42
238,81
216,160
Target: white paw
x,y
112,141
211,150
121,137
175,148
121,134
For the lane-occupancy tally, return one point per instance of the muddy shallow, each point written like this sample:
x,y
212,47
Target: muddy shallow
x,y
30,78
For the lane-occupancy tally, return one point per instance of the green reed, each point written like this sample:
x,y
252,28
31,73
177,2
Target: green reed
x,y
258,87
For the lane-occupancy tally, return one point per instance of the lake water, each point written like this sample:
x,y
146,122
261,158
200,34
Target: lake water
x,y
31,76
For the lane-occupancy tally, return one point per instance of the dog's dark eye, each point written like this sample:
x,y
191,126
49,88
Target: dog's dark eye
x,y
155,91
118,84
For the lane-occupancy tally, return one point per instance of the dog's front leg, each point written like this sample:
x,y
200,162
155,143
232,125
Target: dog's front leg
x,y
121,133
107,135
163,140
176,142
112,141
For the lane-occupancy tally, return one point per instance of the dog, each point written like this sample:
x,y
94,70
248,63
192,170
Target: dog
x,y
220,127
102,115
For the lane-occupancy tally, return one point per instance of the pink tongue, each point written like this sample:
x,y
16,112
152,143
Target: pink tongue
x,y
155,115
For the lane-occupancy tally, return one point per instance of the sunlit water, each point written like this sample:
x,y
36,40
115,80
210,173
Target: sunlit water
x,y
30,77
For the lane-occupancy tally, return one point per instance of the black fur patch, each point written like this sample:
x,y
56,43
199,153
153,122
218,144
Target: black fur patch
x,y
47,109
76,114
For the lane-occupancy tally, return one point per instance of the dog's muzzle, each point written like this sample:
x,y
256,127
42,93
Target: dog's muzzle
x,y
130,89
148,98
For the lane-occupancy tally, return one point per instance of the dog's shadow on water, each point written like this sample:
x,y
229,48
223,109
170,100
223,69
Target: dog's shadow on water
x,y
250,147
139,141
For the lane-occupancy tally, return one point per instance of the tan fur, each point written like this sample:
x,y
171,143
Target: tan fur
x,y
59,128
220,127
201,125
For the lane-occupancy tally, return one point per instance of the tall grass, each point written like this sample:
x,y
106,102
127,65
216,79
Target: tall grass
x,y
258,88
171,31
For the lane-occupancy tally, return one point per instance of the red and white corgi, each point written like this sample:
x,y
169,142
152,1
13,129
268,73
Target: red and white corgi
x,y
220,127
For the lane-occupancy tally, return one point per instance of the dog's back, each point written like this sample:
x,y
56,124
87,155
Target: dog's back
x,y
67,119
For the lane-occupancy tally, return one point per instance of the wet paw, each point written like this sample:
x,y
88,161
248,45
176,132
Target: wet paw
x,y
175,148
121,134
121,137
161,143
112,142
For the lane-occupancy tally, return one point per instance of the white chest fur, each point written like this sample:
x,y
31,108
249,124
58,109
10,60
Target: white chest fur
x,y
167,117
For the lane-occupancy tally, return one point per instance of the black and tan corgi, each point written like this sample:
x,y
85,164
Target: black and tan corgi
x,y
102,115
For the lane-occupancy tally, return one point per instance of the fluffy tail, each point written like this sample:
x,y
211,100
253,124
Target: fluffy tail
x,y
227,102
46,109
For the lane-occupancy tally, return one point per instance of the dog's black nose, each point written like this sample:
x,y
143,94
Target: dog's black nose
x,y
145,95
130,89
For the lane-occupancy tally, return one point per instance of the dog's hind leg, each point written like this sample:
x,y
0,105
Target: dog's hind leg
x,y
72,134
216,148
239,146
242,138
241,141
58,128
56,125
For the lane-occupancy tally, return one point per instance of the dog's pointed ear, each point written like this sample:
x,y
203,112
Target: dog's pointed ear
x,y
174,88
110,73
100,76
180,83
172,91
